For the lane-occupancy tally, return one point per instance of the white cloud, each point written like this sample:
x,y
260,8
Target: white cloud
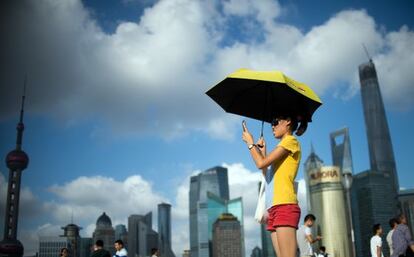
x,y
149,77
88,197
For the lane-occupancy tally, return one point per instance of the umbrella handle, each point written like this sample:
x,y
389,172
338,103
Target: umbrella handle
x,y
261,135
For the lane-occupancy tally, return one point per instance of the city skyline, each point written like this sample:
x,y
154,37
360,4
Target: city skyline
x,y
117,120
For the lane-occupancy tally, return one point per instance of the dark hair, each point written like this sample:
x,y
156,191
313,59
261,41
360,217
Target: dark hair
x,y
63,249
119,241
393,222
309,217
322,248
375,228
99,243
154,250
400,217
294,122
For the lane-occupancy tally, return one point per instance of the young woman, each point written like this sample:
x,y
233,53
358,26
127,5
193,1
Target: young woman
x,y
281,201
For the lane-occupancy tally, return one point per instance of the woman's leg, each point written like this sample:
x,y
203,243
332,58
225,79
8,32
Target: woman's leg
x,y
286,241
273,236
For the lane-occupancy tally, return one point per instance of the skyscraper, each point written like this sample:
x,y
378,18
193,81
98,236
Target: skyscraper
x,y
214,180
374,192
216,206
341,150
16,160
342,158
164,230
406,198
71,232
105,232
141,236
49,246
227,236
122,234
256,252
381,154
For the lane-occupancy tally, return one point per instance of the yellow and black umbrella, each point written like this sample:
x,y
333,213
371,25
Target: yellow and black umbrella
x,y
264,95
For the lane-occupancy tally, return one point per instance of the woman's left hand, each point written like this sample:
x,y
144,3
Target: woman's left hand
x,y
247,137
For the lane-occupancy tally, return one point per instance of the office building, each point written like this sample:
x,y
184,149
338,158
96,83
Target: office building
x,y
141,237
122,234
105,232
50,246
406,199
186,253
216,206
342,158
227,236
86,246
71,232
164,230
256,252
214,180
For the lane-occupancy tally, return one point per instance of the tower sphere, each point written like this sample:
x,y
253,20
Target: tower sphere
x,y
17,160
11,248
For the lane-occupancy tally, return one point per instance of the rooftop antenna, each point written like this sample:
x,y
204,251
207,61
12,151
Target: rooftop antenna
x,y
366,52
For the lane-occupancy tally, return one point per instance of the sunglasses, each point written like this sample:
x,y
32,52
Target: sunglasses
x,y
275,122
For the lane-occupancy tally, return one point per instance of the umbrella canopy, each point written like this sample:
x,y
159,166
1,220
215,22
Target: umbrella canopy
x,y
264,95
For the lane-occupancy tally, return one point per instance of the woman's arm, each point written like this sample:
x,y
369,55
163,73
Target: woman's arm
x,y
262,162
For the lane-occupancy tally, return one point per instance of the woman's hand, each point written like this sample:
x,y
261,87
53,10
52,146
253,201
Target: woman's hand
x,y
261,143
247,137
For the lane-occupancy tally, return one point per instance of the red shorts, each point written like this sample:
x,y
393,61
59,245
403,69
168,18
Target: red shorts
x,y
283,215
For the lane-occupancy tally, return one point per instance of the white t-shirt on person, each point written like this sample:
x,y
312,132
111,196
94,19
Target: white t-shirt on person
x,y
376,241
389,240
304,245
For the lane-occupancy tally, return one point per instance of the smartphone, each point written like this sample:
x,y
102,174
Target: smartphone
x,y
244,125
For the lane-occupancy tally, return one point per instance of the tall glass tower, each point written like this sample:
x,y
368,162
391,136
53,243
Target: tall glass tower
x,y
164,229
341,150
374,192
214,180
381,154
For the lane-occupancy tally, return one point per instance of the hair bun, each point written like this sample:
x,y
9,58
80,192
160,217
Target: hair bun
x,y
302,128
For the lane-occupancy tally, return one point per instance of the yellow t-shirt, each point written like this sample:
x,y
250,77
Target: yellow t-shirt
x,y
281,182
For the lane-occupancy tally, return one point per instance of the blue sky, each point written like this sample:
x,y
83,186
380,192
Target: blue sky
x,y
116,115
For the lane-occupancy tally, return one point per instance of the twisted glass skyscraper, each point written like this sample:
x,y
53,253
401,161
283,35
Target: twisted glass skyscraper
x,y
374,192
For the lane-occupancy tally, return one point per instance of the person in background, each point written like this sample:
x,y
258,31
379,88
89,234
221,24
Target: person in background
x,y
322,252
402,242
305,238
376,241
120,249
99,251
393,224
155,252
64,252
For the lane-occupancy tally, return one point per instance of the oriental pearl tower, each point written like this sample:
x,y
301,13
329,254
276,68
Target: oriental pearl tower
x,y
17,160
